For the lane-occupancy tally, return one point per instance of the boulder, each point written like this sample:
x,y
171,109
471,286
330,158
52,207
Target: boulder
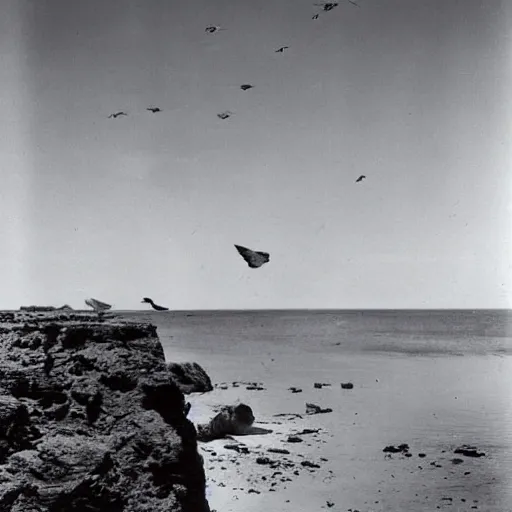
x,y
190,377
90,419
231,420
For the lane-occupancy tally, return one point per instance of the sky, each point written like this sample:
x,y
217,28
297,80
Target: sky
x,y
414,95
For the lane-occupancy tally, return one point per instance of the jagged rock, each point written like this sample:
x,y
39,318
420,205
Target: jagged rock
x,y
103,427
231,420
190,377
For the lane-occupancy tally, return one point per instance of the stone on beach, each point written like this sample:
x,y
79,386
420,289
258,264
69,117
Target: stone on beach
x,y
190,377
231,420
316,409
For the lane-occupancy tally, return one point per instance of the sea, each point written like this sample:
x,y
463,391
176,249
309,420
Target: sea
x,y
433,379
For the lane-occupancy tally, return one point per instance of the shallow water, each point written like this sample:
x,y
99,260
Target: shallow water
x,y
433,380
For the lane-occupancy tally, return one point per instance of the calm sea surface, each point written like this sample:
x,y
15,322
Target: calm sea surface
x,y
433,379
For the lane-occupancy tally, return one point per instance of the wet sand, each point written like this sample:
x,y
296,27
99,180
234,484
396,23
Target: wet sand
x,y
352,471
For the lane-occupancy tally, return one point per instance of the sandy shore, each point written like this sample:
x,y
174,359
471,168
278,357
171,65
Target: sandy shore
x,y
300,464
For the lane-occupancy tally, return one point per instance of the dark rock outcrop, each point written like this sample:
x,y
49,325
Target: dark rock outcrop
x,y
90,419
190,377
231,420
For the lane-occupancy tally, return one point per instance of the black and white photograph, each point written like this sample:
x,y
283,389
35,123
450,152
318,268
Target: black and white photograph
x,y
256,255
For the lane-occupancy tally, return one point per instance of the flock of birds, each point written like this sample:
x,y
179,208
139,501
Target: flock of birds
x,y
254,259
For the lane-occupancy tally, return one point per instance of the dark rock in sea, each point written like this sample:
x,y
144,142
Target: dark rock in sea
x,y
316,409
347,385
190,377
103,429
457,461
295,390
469,451
231,420
320,385
422,455
402,448
253,491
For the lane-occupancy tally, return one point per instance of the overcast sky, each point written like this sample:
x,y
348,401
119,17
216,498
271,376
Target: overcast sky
x,y
413,94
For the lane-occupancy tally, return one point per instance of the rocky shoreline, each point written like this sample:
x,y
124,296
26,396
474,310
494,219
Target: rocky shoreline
x,y
92,419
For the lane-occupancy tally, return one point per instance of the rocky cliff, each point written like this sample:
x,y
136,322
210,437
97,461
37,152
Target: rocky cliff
x,y
91,419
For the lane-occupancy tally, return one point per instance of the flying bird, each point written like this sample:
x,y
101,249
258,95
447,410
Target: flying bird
x,y
224,115
328,6
156,307
117,114
154,109
254,259
361,178
282,49
245,87
211,29
97,305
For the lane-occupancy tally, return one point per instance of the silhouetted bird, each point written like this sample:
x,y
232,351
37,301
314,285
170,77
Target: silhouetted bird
x,y
361,178
211,29
97,305
254,259
329,6
154,109
245,87
282,49
117,114
153,305
224,115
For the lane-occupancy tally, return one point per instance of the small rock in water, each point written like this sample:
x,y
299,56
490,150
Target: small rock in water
x,y
347,385
295,390
294,439
263,461
457,461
